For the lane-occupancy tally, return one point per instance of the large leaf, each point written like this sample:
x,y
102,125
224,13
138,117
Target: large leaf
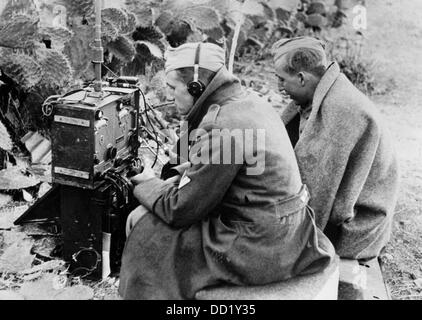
x,y
316,20
22,68
317,7
109,31
203,18
215,33
164,21
228,9
122,48
252,7
144,17
153,49
79,50
19,32
143,10
179,34
79,7
59,36
269,12
5,140
115,16
57,70
181,5
284,16
287,5
17,7
130,26
150,34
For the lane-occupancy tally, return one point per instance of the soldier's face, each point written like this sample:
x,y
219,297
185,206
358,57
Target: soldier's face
x,y
291,84
177,91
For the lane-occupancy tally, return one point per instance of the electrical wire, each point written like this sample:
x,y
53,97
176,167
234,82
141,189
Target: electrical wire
x,y
152,127
147,116
87,271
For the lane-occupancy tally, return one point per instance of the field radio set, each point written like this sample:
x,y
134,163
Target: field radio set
x,y
95,132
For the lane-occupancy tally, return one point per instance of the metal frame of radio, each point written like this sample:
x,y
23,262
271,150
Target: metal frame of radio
x,y
93,132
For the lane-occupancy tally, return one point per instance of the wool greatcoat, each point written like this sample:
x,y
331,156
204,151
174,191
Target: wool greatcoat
x,y
347,159
221,225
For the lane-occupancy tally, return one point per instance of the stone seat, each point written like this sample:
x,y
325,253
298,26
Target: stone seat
x,y
318,286
362,281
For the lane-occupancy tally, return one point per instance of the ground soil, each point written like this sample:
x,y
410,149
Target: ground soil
x,y
394,40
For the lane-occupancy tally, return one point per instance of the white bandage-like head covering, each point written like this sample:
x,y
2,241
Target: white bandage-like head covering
x,y
284,46
211,56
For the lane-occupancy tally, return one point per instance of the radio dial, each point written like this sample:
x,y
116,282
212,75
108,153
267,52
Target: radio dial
x,y
111,152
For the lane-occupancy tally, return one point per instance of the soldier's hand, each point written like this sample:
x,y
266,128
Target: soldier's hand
x,y
147,174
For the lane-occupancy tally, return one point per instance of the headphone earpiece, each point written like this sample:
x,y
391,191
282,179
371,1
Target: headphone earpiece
x,y
196,87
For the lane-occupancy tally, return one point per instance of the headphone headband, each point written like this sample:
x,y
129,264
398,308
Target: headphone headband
x,y
195,87
196,66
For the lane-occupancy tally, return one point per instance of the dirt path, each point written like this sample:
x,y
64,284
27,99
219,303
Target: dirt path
x,y
395,40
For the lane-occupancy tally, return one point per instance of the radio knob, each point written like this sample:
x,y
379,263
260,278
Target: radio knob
x,y
111,152
96,160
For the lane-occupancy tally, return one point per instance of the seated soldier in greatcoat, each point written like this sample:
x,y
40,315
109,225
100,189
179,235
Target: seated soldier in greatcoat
x,y
239,213
345,153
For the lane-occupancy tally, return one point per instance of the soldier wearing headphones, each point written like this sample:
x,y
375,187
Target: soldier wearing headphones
x,y
238,215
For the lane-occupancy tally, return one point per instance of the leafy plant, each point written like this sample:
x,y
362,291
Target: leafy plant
x,y
5,140
347,51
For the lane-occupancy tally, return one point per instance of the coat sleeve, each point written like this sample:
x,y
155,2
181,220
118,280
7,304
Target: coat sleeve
x,y
202,187
365,203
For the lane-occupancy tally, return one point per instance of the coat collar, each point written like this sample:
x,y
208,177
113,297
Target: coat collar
x,y
223,87
324,85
